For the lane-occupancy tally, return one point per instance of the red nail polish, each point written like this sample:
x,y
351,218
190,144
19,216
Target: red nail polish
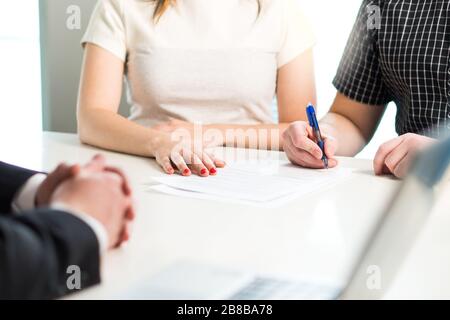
x,y
213,171
186,171
203,171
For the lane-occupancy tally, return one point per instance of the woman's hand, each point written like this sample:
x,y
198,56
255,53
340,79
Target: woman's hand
x,y
175,153
174,124
209,136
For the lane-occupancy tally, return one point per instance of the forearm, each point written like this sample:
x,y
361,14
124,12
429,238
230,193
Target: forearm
x,y
108,130
350,139
261,136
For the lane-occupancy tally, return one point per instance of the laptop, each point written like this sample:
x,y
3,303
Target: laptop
x,y
386,248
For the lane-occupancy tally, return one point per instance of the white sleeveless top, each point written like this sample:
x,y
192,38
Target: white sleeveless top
x,y
205,61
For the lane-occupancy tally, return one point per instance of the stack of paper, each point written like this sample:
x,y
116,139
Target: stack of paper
x,y
256,183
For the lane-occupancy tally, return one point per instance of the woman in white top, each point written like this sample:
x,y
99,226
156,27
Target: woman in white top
x,y
215,62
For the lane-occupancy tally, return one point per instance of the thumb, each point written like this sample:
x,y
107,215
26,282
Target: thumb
x,y
97,164
62,173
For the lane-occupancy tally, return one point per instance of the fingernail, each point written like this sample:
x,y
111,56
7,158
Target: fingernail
x,y
203,171
213,171
186,171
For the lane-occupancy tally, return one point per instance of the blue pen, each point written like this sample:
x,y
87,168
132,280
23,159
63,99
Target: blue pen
x,y
311,113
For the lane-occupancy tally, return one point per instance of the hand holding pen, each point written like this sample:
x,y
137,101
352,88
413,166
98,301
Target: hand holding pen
x,y
306,146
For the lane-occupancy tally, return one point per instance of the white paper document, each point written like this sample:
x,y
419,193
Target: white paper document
x,y
258,183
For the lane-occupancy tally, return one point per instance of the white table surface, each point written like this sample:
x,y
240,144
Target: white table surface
x,y
317,236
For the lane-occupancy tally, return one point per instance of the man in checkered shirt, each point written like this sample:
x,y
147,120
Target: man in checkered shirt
x,y
398,51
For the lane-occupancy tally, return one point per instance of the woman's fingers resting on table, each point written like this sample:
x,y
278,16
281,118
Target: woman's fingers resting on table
x,y
187,159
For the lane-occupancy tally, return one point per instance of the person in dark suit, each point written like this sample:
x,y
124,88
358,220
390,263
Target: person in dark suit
x,y
54,228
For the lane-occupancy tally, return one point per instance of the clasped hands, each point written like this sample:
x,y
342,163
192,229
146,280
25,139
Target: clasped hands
x,y
95,189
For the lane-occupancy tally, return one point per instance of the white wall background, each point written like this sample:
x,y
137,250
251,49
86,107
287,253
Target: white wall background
x,y
20,91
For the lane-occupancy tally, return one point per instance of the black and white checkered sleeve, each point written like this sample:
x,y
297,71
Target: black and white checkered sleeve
x,y
359,74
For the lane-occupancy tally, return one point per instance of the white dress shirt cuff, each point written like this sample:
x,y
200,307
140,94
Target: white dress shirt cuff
x,y
25,198
94,224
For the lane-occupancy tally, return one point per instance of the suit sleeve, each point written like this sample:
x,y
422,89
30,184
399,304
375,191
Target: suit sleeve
x,y
38,250
12,178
